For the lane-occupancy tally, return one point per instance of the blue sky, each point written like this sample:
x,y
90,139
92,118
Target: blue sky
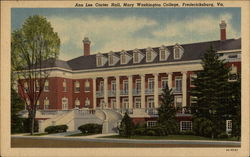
x,y
113,29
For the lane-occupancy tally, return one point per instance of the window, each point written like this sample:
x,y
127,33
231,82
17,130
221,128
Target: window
x,y
113,103
46,103
46,86
178,101
150,102
149,56
193,100
136,57
151,124
192,77
178,84
37,103
77,87
87,102
185,125
99,60
77,103
178,51
138,86
162,55
37,86
232,56
64,85
101,86
87,86
137,102
64,103
113,86
111,59
123,58
228,126
125,86
233,73
151,84
164,82
125,103
102,103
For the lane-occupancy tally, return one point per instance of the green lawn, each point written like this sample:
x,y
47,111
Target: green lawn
x,y
170,137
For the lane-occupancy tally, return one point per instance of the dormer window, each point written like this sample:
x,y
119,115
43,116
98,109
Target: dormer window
x,y
178,51
99,60
111,60
136,57
164,53
150,55
123,58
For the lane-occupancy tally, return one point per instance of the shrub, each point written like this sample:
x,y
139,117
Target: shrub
x,y
56,129
140,131
203,127
150,132
223,135
90,128
188,132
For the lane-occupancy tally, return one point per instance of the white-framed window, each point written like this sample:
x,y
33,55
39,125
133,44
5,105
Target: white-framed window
x,y
113,103
185,125
151,84
164,82
65,103
77,103
138,86
178,51
163,55
113,86
178,83
192,77
46,103
150,102
77,86
178,101
111,59
148,56
87,86
46,86
151,124
123,58
137,102
125,103
99,60
125,86
101,86
64,85
102,102
37,85
87,102
136,57
229,126
233,73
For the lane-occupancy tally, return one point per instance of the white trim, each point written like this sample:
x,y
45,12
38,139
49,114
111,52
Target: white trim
x,y
229,51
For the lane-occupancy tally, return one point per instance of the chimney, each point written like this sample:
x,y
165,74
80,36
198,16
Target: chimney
x,y
86,46
223,35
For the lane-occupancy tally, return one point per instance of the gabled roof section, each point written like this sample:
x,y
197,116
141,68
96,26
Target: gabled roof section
x,y
193,51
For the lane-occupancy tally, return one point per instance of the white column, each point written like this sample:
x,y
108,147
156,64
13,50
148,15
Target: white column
x,y
130,91
117,92
105,91
170,83
94,93
156,91
143,104
184,89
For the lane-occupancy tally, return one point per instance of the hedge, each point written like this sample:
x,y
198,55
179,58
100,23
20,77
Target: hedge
x,y
56,129
90,128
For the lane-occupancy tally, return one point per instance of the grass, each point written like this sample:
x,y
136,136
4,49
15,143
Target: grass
x,y
170,137
82,134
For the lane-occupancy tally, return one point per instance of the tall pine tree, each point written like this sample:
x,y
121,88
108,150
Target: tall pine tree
x,y
167,111
212,91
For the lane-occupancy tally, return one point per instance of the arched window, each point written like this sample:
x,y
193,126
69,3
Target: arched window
x,y
77,87
87,102
65,103
64,85
46,86
46,103
77,103
87,86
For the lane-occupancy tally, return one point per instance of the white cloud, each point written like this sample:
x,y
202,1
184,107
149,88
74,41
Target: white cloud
x,y
205,26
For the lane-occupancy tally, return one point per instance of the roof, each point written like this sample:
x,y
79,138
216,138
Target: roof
x,y
193,51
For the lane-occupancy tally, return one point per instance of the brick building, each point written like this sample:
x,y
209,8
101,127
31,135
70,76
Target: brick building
x,y
132,80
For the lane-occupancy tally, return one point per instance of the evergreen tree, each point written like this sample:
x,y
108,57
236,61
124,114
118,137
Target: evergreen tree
x,y
212,91
126,127
167,112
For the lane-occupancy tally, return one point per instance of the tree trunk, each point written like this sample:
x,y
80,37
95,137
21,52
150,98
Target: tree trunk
x,y
32,125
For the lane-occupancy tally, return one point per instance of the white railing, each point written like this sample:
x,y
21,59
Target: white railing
x,y
99,94
151,111
124,92
111,93
136,92
149,91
